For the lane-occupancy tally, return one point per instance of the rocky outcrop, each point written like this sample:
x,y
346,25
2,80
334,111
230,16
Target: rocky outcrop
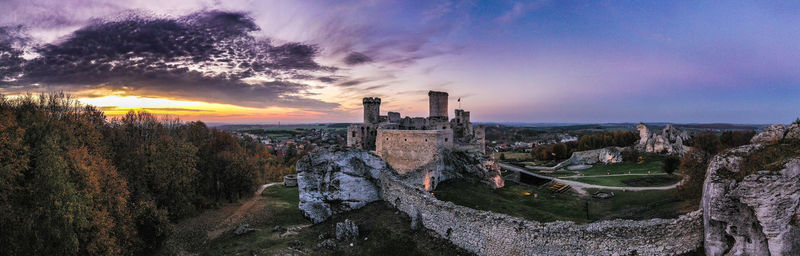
x,y
770,135
757,215
666,141
332,181
473,166
793,132
607,155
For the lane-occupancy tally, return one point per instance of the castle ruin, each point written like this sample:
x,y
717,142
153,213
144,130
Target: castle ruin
x,y
414,145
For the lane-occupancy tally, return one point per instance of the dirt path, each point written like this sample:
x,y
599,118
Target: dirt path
x,y
581,187
237,215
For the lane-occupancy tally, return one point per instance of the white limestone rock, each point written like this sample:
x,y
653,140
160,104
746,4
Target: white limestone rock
x,y
757,216
666,141
770,135
793,132
332,181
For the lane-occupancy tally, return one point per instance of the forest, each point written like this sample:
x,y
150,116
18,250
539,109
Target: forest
x,y
74,182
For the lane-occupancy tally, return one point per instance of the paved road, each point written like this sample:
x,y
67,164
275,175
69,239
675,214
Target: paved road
x,y
580,186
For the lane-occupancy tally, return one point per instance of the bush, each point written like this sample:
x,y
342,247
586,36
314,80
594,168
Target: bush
x,y
693,165
670,164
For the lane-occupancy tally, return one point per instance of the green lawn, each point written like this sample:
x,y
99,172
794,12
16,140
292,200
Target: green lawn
x,y
631,181
652,164
569,206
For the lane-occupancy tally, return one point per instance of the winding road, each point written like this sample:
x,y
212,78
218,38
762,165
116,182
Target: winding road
x,y
580,186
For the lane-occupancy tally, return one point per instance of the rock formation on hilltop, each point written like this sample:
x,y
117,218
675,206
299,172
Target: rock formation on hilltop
x,y
667,141
756,214
336,181
775,133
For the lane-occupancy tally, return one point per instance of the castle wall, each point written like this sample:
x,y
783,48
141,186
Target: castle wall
x,y
362,136
489,233
407,150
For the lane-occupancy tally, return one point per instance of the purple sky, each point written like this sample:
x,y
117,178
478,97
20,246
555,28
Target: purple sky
x,y
522,61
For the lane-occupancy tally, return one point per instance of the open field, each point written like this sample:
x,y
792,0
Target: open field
x,y
631,181
567,206
382,232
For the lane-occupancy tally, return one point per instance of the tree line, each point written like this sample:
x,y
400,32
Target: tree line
x,y
73,182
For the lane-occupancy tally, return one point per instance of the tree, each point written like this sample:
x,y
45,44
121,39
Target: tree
x,y
693,165
707,142
670,164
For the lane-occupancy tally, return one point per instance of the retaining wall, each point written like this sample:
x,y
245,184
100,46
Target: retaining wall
x,y
489,233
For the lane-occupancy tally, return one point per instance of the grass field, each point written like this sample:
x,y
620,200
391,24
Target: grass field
x,y
652,164
382,232
631,181
567,206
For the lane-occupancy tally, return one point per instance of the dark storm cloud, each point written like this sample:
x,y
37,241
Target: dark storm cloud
x,y
208,56
356,58
11,41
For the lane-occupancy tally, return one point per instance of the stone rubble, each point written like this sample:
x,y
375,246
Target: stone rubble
x,y
346,231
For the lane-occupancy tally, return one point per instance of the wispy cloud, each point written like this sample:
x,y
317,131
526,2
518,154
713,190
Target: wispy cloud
x,y
518,10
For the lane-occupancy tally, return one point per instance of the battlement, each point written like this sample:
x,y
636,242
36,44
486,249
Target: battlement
x,y
371,100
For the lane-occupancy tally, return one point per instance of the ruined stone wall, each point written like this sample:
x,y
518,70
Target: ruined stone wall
x,y
406,150
489,233
362,136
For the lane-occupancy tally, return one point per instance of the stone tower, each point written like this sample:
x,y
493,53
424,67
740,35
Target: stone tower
x,y
438,105
372,110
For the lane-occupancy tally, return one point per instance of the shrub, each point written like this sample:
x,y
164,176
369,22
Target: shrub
x,y
670,164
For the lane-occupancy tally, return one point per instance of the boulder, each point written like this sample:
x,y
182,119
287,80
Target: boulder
x,y
755,216
769,135
346,231
335,180
243,229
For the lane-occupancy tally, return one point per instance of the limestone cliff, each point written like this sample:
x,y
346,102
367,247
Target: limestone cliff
x,y
607,155
757,215
335,181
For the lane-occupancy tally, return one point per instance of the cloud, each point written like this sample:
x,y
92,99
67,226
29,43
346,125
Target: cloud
x,y
519,10
356,58
207,56
115,108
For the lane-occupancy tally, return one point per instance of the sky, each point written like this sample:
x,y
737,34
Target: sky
x,y
249,61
